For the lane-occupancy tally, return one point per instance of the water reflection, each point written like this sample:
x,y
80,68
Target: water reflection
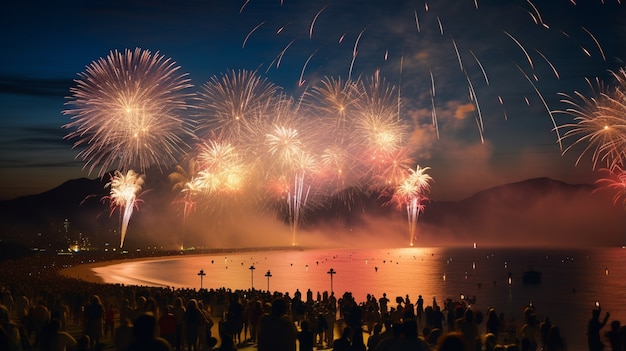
x,y
572,279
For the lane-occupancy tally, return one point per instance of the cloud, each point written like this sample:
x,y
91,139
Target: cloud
x,y
464,110
41,87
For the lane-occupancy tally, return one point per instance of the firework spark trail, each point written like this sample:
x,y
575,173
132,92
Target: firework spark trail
x,y
479,118
556,73
545,104
127,112
315,19
243,45
279,58
595,41
354,53
417,22
530,61
482,69
458,56
124,196
301,80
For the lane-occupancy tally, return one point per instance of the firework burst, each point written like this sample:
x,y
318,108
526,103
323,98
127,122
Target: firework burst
x,y
600,122
124,196
231,104
410,193
127,111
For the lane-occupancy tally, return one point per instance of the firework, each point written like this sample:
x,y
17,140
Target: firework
x,y
600,122
221,169
614,181
291,155
127,112
230,105
410,194
187,185
124,196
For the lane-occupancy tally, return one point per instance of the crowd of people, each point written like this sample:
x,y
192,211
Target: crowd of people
x,y
39,307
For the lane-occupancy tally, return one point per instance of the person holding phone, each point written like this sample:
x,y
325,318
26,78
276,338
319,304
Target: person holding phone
x,y
593,328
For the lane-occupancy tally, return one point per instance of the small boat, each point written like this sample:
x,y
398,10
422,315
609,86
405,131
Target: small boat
x,y
531,277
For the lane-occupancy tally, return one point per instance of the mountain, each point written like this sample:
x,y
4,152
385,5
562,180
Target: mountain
x,y
539,211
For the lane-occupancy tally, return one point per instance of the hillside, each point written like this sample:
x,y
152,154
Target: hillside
x,y
539,211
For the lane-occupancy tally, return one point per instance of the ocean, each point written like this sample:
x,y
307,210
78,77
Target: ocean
x,y
572,280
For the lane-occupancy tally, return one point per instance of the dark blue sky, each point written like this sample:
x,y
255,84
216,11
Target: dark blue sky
x,y
46,44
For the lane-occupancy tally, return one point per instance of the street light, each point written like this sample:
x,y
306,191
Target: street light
x,y
201,274
268,275
331,272
252,276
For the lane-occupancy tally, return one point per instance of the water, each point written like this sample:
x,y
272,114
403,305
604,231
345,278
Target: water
x,y
572,280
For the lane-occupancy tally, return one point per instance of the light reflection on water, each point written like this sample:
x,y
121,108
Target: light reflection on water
x,y
572,279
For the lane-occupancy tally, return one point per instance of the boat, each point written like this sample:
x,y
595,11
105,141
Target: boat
x,y
531,277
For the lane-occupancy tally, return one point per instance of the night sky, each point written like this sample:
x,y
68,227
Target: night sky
x,y
519,52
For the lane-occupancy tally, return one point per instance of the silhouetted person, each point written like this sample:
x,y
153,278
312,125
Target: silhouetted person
x,y
123,335
194,318
357,343
544,329
530,330
276,331
614,336
374,339
13,336
452,341
492,324
145,335
593,330
54,339
167,325
555,342
343,343
420,308
306,338
179,315
94,320
469,329
411,340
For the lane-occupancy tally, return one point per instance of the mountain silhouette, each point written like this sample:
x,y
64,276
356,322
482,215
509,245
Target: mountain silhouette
x,y
533,211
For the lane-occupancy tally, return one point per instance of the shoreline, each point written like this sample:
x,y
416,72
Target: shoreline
x,y
85,271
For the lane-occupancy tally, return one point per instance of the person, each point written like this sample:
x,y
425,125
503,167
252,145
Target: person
x,y
411,340
555,342
593,329
109,321
94,320
179,315
343,343
194,318
452,341
306,338
14,338
374,339
54,339
167,325
468,329
276,331
357,343
530,330
123,334
614,337
144,333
